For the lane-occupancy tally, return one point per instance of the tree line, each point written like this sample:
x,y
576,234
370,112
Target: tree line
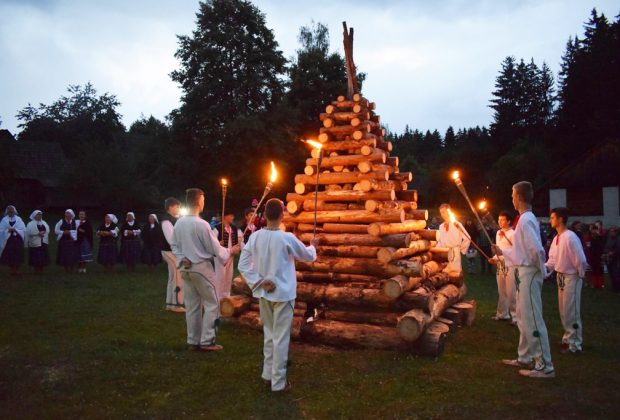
x,y
243,103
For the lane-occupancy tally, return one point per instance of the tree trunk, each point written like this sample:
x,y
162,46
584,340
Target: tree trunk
x,y
384,228
386,319
417,297
337,278
344,334
440,254
349,251
347,196
360,266
467,311
402,177
234,305
374,205
396,286
344,228
376,185
240,287
377,155
409,195
348,216
396,241
340,177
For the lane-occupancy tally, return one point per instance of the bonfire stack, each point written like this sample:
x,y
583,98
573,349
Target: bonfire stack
x,y
379,280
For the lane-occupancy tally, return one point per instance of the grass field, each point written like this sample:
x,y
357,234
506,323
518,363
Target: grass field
x,y
102,346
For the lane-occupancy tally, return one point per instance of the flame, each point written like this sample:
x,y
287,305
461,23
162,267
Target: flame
x,y
274,173
452,217
482,205
224,181
456,175
315,144
183,211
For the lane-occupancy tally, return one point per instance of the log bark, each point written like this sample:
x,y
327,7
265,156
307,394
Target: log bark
x,y
381,167
377,155
343,116
374,205
336,278
402,177
341,131
417,297
467,312
409,195
396,241
440,254
431,344
355,251
374,185
384,228
430,268
386,319
412,324
385,255
348,216
343,296
340,177
429,234
398,285
417,214
240,287
234,305
346,265
350,104
346,196
344,334
344,228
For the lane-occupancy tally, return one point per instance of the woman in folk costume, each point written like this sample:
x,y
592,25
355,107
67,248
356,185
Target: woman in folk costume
x,y
151,240
37,239
130,241
451,236
85,241
12,235
68,253
229,236
107,233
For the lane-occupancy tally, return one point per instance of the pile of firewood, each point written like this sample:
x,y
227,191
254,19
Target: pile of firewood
x,y
379,280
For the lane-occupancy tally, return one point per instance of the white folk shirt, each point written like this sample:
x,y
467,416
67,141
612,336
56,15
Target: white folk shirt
x,y
504,241
168,229
451,237
193,239
566,255
527,250
270,255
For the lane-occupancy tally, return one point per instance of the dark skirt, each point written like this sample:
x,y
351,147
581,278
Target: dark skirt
x,y
151,256
13,253
38,256
86,251
130,251
68,253
108,255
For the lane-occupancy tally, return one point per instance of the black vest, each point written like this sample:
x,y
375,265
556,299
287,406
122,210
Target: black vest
x,y
165,246
103,228
235,235
67,226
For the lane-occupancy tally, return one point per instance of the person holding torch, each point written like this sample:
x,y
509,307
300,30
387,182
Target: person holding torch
x,y
505,274
452,236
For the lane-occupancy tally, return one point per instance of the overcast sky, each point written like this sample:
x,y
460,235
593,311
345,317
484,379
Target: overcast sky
x,y
430,64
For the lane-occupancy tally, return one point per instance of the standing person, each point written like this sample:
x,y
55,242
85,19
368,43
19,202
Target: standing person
x,y
268,264
12,236
595,261
452,237
612,254
84,241
505,275
195,247
37,239
248,227
231,237
528,257
151,240
485,265
68,254
567,259
107,233
130,241
174,288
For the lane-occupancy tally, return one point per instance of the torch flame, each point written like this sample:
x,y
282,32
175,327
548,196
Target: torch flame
x,y
456,175
274,173
183,211
482,205
224,181
315,144
452,217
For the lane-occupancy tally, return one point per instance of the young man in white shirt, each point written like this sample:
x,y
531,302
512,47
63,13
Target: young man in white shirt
x,y
567,259
232,236
268,265
451,236
174,288
528,257
506,289
196,247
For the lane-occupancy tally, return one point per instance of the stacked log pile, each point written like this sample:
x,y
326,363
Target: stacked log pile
x,y
379,280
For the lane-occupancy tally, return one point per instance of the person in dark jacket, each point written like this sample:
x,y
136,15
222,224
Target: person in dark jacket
x,y
130,241
84,241
612,256
107,233
151,242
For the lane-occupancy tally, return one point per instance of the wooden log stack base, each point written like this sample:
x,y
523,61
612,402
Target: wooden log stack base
x,y
379,280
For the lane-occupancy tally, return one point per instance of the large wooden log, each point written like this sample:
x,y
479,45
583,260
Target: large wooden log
x,y
385,228
336,278
251,319
343,116
345,228
396,286
374,205
348,160
344,334
340,177
342,131
382,167
402,177
255,307
240,287
431,344
409,195
349,251
430,268
350,104
430,234
467,312
385,255
343,296
396,241
348,216
440,254
412,324
234,305
440,279
387,319
419,297
374,185
344,196
362,266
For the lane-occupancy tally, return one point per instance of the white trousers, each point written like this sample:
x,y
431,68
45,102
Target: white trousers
x,y
202,307
225,275
277,318
454,259
533,339
507,291
174,297
569,301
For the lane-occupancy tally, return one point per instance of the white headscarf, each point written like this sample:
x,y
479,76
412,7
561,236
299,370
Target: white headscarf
x,y
155,217
71,212
112,218
132,214
34,214
6,211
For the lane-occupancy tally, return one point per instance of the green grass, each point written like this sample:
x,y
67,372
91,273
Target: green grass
x,y
102,346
